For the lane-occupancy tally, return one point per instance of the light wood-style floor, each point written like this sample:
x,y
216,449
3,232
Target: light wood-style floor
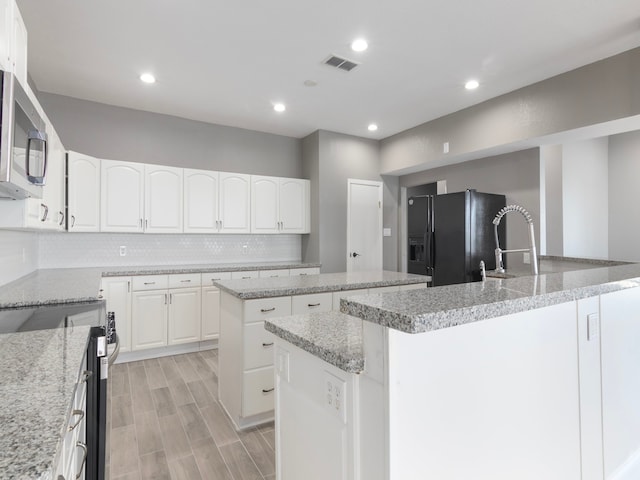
x,y
164,422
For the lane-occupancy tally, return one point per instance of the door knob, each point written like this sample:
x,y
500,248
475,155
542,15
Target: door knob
x,y
354,254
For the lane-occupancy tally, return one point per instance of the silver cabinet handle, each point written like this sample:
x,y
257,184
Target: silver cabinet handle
x,y
185,281
76,413
268,390
266,310
149,283
245,278
303,274
86,374
129,286
61,218
313,304
73,221
146,224
84,458
170,298
265,345
165,298
45,214
140,223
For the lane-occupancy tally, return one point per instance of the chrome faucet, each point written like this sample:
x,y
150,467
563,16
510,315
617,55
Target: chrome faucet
x,y
532,239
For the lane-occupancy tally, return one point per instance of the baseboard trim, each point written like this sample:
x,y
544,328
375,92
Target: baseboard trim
x,y
125,357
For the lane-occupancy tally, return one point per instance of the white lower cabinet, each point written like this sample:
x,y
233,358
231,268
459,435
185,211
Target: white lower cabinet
x,y
312,303
210,326
149,319
184,315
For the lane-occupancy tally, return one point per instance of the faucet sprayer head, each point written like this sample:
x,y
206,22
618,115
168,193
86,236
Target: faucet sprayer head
x,y
512,208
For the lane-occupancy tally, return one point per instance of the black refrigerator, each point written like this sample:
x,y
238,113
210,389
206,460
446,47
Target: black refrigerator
x,y
450,234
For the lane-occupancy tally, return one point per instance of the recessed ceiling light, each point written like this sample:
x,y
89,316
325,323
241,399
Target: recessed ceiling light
x,y
279,107
471,85
359,45
372,127
148,78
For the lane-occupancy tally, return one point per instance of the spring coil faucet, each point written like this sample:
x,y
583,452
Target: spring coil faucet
x,y
532,239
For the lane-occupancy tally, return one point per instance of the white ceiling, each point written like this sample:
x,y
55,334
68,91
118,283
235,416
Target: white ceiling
x,y
227,62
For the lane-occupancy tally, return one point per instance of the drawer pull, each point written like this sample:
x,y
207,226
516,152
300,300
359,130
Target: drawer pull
x,y
185,281
266,310
265,345
275,276
75,413
313,304
149,283
268,390
303,274
245,278
83,446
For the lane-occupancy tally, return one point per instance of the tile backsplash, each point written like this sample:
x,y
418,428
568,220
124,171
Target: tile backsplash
x,y
59,250
18,254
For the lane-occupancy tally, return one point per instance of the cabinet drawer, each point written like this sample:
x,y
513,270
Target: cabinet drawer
x,y
258,346
384,289
261,308
257,391
283,272
150,282
209,278
315,302
338,295
304,271
184,280
415,286
245,275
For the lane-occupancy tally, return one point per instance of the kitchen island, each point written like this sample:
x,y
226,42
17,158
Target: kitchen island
x,y
527,378
245,378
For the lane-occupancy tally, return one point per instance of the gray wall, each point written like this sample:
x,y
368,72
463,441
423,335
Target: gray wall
x,y
551,165
329,159
603,91
118,133
516,175
624,213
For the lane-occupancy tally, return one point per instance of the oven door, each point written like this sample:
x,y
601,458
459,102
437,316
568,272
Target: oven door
x,y
23,143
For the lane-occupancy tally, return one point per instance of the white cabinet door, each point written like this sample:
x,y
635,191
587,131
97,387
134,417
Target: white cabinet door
x,y
235,195
53,191
163,199
184,315
117,294
201,201
210,327
19,47
620,358
149,319
264,204
83,193
294,205
6,33
122,196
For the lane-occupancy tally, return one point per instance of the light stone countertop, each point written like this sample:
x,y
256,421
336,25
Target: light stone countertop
x,y
331,336
418,311
79,285
325,282
38,378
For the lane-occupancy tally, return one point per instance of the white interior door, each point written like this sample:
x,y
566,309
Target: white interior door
x,y
364,225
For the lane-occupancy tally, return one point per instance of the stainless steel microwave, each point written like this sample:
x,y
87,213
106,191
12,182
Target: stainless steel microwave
x,y
23,143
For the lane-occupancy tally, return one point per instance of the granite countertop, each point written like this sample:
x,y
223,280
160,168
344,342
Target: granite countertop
x,y
423,310
331,336
555,264
79,285
38,378
325,282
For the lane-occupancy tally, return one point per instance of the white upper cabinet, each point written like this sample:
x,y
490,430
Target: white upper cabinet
x,y
265,217
53,190
201,202
235,195
122,196
279,205
294,205
163,199
83,193
19,47
6,34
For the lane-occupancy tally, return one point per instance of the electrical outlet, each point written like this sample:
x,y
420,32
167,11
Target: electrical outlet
x,y
334,394
282,363
526,257
445,147
245,249
123,251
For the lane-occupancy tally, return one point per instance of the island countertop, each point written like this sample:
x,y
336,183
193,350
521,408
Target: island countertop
x,y
418,311
325,282
38,379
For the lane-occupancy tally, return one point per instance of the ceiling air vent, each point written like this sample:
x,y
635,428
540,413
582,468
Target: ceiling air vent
x,y
341,63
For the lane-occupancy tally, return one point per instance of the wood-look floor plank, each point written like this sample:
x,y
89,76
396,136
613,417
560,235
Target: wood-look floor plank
x,y
154,466
127,476
260,451
155,376
174,438
148,433
121,411
181,394
187,370
124,454
193,423
163,401
239,462
210,461
142,401
201,394
219,424
170,369
202,367
184,468
270,437
119,382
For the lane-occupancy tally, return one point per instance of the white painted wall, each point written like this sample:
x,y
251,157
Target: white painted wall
x,y
585,198
18,254
624,213
551,200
